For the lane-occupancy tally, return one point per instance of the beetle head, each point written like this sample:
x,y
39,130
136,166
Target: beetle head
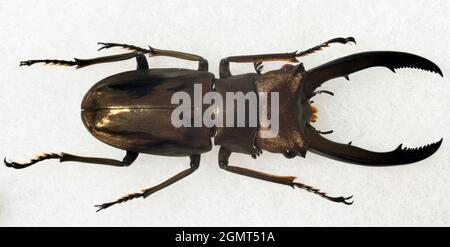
x,y
342,67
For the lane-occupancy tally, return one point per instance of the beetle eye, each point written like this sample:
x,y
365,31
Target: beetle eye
x,y
289,154
287,67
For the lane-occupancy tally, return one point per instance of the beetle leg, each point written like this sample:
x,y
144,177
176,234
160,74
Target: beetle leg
x,y
129,158
291,57
195,161
224,155
153,52
80,63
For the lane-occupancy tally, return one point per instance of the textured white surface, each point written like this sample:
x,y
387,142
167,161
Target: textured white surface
x,y
376,109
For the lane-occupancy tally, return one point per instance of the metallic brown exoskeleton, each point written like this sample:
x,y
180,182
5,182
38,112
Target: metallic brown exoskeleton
x,y
132,111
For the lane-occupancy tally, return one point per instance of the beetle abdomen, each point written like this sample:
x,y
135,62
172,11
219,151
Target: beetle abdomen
x,y
132,111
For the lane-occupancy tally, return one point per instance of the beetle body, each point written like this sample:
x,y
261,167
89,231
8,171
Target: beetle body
x,y
133,111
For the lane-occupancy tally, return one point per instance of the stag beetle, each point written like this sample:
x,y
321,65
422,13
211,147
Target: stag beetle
x,y
131,111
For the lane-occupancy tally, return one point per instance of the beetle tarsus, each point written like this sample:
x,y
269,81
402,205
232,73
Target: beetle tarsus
x,y
121,200
258,67
341,199
103,206
41,157
48,62
25,63
325,44
124,46
309,188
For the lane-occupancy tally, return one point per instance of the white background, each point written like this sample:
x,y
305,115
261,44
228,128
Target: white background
x,y
40,112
